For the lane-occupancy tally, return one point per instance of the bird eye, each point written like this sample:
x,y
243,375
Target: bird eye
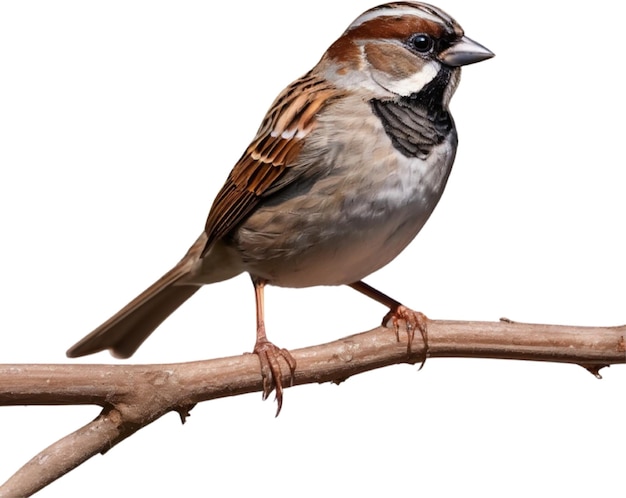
x,y
422,43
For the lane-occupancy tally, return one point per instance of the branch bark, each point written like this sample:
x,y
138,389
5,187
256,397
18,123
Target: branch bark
x,y
132,396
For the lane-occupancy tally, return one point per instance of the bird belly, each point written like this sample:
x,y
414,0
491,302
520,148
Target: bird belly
x,y
343,253
346,225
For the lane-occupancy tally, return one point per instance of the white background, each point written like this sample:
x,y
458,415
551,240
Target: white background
x,y
120,120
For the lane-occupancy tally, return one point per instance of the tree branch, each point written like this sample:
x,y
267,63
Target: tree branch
x,y
132,396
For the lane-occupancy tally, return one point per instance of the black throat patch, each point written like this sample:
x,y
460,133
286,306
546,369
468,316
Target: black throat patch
x,y
415,124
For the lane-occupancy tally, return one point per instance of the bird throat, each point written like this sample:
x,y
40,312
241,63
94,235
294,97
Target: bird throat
x,y
418,122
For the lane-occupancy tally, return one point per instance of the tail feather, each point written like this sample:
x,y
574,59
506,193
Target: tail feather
x,y
125,331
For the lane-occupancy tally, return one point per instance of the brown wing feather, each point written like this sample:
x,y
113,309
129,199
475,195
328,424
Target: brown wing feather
x,y
261,170
275,148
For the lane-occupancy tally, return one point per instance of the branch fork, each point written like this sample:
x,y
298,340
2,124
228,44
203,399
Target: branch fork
x,y
133,396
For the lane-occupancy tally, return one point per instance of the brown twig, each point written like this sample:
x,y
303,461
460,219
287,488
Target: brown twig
x,y
132,396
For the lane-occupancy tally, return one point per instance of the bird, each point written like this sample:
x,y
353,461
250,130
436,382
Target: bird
x,y
346,168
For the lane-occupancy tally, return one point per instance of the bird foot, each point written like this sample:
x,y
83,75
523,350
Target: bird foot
x,y
269,356
412,320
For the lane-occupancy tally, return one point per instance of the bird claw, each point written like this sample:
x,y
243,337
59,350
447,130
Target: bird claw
x,y
269,356
412,320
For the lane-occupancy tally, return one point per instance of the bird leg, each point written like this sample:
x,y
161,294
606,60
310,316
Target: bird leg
x,y
269,355
398,313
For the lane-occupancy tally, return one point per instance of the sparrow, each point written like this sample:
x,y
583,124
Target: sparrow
x,y
345,169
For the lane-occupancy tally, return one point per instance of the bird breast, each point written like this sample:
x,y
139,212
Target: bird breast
x,y
356,205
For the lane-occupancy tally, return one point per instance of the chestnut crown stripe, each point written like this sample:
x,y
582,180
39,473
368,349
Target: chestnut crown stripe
x,y
397,21
396,9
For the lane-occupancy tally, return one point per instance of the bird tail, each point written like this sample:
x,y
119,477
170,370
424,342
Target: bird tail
x,y
125,331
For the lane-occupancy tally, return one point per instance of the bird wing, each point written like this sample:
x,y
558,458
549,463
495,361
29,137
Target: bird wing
x,y
264,166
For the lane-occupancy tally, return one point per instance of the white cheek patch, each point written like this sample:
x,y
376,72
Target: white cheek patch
x,y
409,85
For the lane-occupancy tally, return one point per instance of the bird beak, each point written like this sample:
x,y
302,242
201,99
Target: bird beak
x,y
465,51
